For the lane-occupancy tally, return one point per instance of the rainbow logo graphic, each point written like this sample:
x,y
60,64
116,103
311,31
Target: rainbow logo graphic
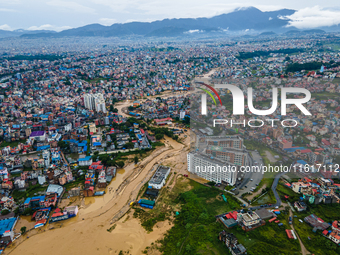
x,y
210,94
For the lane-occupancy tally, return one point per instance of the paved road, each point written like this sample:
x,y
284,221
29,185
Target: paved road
x,y
277,197
256,176
276,181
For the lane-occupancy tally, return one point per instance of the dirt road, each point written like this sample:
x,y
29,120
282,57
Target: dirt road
x,y
121,105
304,251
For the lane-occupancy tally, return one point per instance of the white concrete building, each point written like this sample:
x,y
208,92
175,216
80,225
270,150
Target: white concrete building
x,y
46,157
95,102
86,161
158,179
211,169
41,179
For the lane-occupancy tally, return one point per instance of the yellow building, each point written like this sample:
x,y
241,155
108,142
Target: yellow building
x,y
92,128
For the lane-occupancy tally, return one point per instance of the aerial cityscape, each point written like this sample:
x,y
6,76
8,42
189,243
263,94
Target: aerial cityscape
x,y
181,133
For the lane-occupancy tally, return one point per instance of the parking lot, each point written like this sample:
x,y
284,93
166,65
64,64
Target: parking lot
x,y
251,179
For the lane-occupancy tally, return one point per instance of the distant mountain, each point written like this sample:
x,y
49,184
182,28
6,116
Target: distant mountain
x,y
19,32
269,33
292,32
309,31
314,31
241,19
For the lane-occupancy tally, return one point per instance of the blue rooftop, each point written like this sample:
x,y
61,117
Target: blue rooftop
x,y
40,198
7,225
302,162
294,149
27,201
85,159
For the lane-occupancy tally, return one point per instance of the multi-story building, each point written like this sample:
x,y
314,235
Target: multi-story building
x,y
230,141
300,187
232,243
211,169
46,157
248,219
233,156
95,102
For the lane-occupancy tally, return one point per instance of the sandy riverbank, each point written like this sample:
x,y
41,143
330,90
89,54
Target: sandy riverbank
x,y
87,233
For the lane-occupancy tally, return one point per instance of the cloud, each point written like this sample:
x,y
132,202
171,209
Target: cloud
x,y
193,31
154,10
5,27
71,6
7,10
49,27
10,2
313,17
107,21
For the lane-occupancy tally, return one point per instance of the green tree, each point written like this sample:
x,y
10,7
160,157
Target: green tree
x,y
23,230
186,120
136,159
159,136
5,211
120,164
129,145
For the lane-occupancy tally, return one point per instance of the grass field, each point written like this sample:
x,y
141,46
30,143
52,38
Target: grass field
x,y
324,95
195,229
315,242
268,239
12,144
285,191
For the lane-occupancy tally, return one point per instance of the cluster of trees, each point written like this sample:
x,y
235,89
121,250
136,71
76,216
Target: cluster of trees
x,y
296,67
36,57
186,120
64,146
109,159
160,132
112,109
260,53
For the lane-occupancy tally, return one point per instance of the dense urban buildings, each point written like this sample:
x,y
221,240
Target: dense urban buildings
x,y
121,118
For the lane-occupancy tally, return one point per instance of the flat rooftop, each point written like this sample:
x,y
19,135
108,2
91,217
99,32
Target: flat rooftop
x,y
159,175
7,225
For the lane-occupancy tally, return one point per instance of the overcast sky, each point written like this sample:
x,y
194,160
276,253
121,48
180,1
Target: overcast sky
x,y
63,14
